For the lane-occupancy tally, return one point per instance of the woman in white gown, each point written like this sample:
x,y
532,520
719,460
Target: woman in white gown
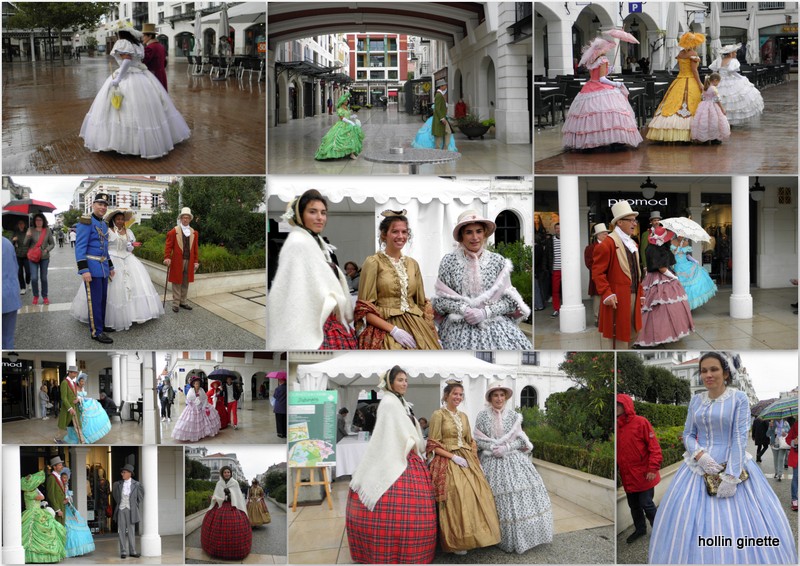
x,y
740,98
131,295
146,123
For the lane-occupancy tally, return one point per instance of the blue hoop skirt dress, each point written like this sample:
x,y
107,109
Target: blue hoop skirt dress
x,y
79,537
696,281
719,427
94,422
424,138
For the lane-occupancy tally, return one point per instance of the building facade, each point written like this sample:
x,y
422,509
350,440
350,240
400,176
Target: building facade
x,y
216,461
143,195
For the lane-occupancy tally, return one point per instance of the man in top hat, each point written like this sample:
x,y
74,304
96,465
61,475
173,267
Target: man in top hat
x,y
69,392
655,221
56,492
600,234
128,495
180,257
617,274
94,264
440,127
155,57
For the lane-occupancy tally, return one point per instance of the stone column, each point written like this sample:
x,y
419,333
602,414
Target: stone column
x,y
151,415
123,379
116,382
78,480
150,542
511,75
741,302
13,551
559,47
572,316
37,383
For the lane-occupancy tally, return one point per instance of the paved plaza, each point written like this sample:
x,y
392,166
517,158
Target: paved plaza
x,y
773,326
256,424
225,321
106,551
292,147
44,105
766,148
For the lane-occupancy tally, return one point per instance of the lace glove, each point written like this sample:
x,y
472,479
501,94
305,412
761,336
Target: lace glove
x,y
460,461
500,450
476,316
726,489
708,464
123,69
403,338
607,81
669,274
129,246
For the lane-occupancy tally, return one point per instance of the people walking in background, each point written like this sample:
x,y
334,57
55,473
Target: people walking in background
x,y
39,241
155,57
777,432
166,394
11,293
791,440
181,258
23,267
230,392
72,237
280,407
44,401
639,461
553,251
60,237
257,505
760,438
128,495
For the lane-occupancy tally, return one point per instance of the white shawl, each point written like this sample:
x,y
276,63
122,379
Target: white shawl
x,y
385,460
303,294
237,499
513,433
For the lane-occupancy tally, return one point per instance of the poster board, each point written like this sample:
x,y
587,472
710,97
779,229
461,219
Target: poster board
x,y
312,428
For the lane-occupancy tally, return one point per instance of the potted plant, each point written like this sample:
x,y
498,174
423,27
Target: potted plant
x,y
472,127
91,45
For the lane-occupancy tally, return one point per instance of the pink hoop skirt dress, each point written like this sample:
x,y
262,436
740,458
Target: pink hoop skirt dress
x,y
709,122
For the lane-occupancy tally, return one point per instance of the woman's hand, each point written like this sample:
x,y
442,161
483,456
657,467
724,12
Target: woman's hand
x,y
460,461
475,316
500,450
708,464
403,338
726,489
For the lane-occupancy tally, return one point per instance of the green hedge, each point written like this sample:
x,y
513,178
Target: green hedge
x,y
200,485
672,449
598,461
213,259
662,415
196,501
279,494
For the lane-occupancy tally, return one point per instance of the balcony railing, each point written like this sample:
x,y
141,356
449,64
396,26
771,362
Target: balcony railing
x,y
734,7
766,6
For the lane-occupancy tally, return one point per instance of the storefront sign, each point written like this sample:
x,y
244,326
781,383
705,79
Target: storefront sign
x,y
262,46
639,201
16,365
789,29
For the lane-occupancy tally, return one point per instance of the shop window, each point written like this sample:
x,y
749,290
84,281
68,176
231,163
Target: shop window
x,y
529,398
784,195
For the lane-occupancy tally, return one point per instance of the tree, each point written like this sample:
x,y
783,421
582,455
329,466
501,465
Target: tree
x,y
594,373
70,217
631,375
59,17
196,470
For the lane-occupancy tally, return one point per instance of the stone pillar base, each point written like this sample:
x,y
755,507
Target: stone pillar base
x,y
741,306
572,319
150,545
512,126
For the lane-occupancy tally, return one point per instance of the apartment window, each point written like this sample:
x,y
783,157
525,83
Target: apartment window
x,y
161,17
376,45
156,201
377,75
530,358
134,200
361,75
486,356
393,75
376,60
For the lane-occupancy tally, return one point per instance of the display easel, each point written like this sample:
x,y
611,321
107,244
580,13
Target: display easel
x,y
312,472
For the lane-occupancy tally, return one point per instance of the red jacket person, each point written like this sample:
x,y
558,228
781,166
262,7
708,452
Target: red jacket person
x,y
180,257
639,460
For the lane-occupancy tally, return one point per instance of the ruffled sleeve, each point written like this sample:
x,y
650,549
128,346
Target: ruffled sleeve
x,y
123,46
734,65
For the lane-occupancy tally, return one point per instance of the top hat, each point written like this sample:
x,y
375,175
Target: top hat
x,y
600,228
127,468
55,461
621,210
655,214
72,369
101,197
186,210
149,28
472,217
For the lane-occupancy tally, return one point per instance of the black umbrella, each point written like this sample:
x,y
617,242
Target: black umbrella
x,y
10,219
222,374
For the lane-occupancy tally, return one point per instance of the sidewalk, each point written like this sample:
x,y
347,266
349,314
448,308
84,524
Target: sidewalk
x,y
773,326
317,535
228,321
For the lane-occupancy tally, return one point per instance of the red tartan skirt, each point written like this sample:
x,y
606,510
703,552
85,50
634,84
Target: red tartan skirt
x,y
226,533
337,336
402,527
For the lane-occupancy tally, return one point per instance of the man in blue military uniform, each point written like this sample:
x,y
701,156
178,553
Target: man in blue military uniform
x,y
94,264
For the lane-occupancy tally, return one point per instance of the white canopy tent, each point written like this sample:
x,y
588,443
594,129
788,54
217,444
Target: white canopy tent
x,y
352,372
433,206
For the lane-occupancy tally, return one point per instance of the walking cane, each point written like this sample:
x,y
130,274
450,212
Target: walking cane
x,y
614,330
164,302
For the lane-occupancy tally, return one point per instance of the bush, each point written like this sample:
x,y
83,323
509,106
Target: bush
x,y
279,494
213,259
598,461
672,449
200,485
144,233
568,412
274,480
662,415
196,501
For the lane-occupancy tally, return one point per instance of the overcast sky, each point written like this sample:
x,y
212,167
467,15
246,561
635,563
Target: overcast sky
x,y
770,371
56,189
253,459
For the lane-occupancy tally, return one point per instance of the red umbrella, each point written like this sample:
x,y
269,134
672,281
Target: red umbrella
x,y
29,206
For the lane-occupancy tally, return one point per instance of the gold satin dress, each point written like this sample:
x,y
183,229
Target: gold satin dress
x,y
673,117
400,299
468,517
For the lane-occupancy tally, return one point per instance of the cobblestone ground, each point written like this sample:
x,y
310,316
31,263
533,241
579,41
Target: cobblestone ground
x,y
44,105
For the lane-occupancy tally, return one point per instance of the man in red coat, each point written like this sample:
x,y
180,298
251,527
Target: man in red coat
x,y
617,274
180,257
639,460
155,57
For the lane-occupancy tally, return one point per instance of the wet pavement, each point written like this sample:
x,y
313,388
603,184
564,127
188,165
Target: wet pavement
x,y
292,147
256,424
52,327
768,147
44,105
107,552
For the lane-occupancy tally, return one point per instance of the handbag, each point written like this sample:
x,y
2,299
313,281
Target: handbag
x,y
35,253
116,98
782,444
713,481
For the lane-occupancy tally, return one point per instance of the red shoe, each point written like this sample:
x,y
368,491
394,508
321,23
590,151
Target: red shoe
x,y
46,301
794,504
36,300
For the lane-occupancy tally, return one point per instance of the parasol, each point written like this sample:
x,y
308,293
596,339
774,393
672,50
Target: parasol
x,y
622,35
780,409
756,409
277,375
673,31
686,228
224,50
29,206
714,27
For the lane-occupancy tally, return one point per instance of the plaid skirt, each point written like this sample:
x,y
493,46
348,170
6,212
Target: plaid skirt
x,y
226,533
402,527
337,335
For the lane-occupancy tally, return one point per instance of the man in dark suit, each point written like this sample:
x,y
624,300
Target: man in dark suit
x,y
155,57
128,495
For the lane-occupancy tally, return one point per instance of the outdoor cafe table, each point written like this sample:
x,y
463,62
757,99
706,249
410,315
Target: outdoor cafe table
x,y
349,453
412,157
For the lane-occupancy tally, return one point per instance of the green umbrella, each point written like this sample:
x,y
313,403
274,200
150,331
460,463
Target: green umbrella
x,y
780,409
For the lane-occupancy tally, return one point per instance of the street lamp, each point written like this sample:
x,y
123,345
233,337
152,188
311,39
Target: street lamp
x,y
757,191
648,188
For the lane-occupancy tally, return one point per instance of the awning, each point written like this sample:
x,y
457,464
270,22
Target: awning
x,y
244,13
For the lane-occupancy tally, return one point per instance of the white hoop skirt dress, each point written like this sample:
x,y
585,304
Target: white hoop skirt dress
x,y
147,123
742,101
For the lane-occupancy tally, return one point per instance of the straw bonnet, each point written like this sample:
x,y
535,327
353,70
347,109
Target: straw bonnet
x,y
127,214
499,387
473,217
725,49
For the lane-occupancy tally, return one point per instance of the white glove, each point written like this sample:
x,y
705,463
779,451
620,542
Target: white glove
x,y
726,489
123,69
708,464
475,316
607,81
669,274
460,461
500,450
403,338
129,246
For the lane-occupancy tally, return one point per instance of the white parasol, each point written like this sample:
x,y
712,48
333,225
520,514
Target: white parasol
x,y
686,228
224,50
753,47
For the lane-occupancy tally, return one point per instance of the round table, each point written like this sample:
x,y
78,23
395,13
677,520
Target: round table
x,y
412,157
